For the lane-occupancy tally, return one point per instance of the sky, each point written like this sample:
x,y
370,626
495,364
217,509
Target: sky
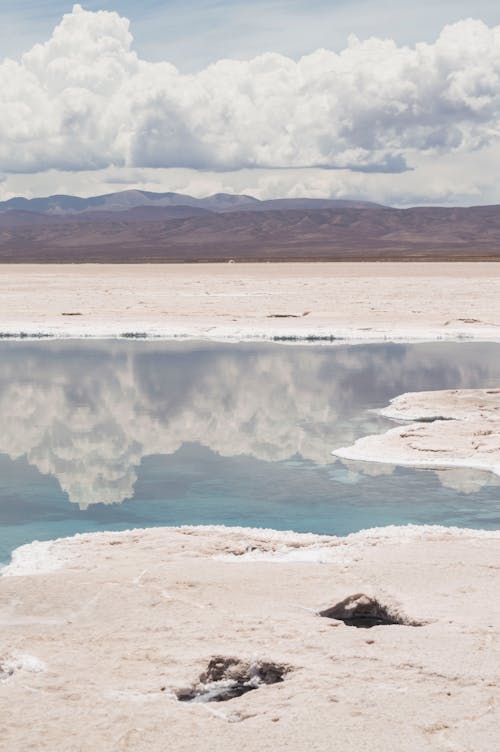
x,y
346,98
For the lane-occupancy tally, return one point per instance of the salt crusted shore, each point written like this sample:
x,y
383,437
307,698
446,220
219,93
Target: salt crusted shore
x,y
450,428
101,634
366,302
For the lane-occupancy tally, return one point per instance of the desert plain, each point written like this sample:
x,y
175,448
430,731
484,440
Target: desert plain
x,y
343,301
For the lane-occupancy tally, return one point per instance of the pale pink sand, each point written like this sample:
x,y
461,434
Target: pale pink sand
x,y
356,301
99,631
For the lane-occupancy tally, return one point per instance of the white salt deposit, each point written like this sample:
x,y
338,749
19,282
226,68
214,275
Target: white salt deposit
x,y
37,557
114,641
450,428
373,302
20,662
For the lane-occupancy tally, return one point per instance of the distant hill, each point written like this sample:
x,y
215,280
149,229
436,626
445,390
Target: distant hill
x,y
125,200
171,227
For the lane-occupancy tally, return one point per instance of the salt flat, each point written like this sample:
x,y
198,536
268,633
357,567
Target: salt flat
x,y
100,632
442,429
350,301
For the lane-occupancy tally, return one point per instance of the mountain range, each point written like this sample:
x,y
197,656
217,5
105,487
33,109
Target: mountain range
x,y
140,226
124,200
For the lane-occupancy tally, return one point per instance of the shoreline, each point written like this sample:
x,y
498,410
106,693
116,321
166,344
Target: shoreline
x,y
281,546
262,337
441,429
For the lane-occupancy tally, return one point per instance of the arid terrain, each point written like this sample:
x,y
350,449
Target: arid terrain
x,y
133,229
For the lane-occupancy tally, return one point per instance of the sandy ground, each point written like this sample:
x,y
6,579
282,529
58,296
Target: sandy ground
x,y
450,428
100,631
353,301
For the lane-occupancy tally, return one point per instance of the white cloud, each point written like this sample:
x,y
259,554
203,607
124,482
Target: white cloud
x,y
449,179
85,101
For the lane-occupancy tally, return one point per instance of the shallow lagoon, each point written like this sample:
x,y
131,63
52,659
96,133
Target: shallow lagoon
x,y
114,435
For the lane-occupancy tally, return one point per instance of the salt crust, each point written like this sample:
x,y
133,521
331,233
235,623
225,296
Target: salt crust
x,y
324,302
20,662
130,619
256,544
441,429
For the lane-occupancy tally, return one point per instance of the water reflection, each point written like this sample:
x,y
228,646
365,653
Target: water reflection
x,y
88,413
465,480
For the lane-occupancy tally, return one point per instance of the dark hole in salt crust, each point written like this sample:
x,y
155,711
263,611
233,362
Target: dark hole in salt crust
x,y
364,612
5,672
431,419
226,678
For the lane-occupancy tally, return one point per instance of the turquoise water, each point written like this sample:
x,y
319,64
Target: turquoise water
x,y
113,435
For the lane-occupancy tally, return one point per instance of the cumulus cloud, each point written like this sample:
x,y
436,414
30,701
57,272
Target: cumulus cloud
x,y
84,100
466,178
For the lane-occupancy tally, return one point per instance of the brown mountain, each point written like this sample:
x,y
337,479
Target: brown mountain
x,y
299,231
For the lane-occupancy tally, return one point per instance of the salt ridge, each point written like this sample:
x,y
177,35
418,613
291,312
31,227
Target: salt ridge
x,y
442,429
45,557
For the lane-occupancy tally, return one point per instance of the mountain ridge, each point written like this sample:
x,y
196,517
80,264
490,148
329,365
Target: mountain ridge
x,y
191,234
62,204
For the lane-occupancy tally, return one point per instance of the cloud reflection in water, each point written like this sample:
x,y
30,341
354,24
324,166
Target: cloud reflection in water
x,y
88,413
